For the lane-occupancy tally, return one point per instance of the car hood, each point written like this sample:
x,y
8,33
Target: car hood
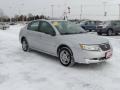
x,y
84,38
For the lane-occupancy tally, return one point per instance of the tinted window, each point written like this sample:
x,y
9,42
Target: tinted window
x,y
116,23
46,28
33,26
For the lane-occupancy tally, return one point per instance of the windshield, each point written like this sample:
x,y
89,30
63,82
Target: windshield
x,y
65,27
82,22
105,23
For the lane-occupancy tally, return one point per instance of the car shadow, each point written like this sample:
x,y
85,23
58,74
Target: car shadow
x,y
78,66
95,66
55,61
45,56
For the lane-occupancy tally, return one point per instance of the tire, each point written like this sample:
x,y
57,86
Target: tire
x,y
99,33
116,33
90,30
25,45
66,57
109,32
4,28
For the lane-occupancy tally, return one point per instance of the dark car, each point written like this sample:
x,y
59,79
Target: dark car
x,y
89,25
109,27
12,23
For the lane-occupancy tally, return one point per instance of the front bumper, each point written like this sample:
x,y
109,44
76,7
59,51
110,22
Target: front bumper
x,y
101,30
96,57
87,61
87,57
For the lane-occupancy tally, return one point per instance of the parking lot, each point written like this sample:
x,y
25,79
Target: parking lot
x,y
37,71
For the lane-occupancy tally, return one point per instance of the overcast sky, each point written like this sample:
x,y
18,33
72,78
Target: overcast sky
x,y
93,9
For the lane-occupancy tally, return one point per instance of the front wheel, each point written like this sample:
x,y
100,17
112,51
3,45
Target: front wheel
x,y
4,28
109,32
25,45
66,57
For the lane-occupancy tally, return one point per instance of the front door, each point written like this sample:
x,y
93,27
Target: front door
x,y
48,39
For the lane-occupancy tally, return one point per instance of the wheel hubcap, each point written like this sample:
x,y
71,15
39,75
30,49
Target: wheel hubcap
x,y
110,32
24,45
65,57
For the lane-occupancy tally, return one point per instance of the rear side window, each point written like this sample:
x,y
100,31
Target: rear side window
x,y
33,26
46,28
116,23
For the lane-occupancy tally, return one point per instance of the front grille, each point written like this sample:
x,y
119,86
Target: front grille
x,y
102,58
99,27
105,46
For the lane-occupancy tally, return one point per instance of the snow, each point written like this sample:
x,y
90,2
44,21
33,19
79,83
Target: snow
x,y
37,71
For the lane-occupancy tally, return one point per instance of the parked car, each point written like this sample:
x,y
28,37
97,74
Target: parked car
x,y
109,27
12,23
65,40
4,26
89,25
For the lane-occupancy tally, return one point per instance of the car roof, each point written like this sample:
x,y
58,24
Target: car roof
x,y
48,20
112,21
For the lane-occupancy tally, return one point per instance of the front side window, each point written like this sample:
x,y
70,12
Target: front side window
x,y
33,26
46,28
65,27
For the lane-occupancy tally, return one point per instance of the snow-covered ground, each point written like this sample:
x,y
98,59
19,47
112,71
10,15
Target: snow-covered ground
x,y
37,71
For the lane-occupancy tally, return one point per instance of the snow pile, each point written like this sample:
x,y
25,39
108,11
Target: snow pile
x,y
37,71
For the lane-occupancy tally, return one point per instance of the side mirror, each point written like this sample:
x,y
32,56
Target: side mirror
x,y
53,34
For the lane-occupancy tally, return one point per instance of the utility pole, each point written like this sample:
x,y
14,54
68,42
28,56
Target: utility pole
x,y
105,12
69,11
119,10
52,10
81,11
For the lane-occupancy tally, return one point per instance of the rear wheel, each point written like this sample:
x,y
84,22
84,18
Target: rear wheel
x,y
110,32
25,45
90,30
66,57
99,33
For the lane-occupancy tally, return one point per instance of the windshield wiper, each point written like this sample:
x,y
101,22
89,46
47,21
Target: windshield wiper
x,y
79,32
65,33
72,33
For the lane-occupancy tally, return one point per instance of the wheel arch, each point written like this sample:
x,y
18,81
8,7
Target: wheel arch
x,y
23,37
63,45
110,29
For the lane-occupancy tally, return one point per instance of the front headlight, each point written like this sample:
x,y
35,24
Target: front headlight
x,y
90,47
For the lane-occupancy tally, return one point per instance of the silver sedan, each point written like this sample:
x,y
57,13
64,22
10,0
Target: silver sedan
x,y
65,40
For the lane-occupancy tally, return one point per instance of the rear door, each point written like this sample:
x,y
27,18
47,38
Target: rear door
x,y
90,25
33,34
116,26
